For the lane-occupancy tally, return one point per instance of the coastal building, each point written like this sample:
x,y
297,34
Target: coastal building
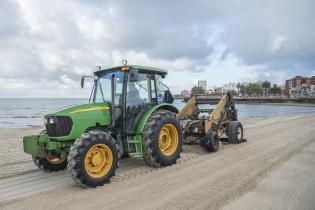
x,y
218,90
259,83
225,88
229,87
185,93
210,91
203,84
300,85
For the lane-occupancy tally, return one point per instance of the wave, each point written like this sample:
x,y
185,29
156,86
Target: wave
x,y
15,108
18,125
21,117
34,126
10,123
33,116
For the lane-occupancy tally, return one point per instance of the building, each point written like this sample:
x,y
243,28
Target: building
x,y
203,84
298,82
229,87
185,93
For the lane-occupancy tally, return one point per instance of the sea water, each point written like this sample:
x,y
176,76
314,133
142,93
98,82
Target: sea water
x,y
17,113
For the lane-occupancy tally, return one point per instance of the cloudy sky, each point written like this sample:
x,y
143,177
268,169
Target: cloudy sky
x,y
46,45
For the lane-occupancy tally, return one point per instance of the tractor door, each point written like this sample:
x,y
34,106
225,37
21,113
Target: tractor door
x,y
109,88
140,96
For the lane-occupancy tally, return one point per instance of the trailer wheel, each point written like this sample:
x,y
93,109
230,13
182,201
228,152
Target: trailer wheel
x,y
51,163
162,139
235,132
93,159
211,141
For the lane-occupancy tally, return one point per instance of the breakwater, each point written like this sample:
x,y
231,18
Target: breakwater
x,y
245,100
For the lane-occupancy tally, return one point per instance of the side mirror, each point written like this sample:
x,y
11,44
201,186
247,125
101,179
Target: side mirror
x,y
168,97
82,81
133,75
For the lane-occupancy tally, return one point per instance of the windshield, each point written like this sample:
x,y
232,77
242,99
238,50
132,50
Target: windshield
x,y
103,87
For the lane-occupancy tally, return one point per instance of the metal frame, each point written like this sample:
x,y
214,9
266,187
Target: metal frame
x,y
216,119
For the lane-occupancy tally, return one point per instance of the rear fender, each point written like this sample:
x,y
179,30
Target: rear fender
x,y
146,116
135,142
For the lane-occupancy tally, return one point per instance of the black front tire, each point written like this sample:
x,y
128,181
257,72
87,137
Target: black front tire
x,y
235,132
43,163
152,153
78,152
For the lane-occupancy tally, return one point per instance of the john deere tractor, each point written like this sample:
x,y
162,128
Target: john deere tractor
x,y
129,114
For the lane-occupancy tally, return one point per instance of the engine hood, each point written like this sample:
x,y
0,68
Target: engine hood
x,y
84,117
80,108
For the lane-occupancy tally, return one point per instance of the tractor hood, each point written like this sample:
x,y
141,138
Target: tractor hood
x,y
82,117
80,108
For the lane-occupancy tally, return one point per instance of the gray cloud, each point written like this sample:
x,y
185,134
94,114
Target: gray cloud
x,y
42,41
277,34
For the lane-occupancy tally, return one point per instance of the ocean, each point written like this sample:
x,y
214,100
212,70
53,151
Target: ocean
x,y
20,113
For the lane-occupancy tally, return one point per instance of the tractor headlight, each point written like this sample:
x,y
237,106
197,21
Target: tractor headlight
x,y
50,120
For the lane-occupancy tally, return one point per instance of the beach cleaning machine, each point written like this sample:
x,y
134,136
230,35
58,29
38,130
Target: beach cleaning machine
x,y
129,114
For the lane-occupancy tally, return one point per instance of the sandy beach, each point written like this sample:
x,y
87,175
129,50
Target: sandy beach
x,y
273,169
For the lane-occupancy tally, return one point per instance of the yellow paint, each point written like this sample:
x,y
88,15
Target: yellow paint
x,y
189,109
168,139
90,109
216,114
55,159
98,160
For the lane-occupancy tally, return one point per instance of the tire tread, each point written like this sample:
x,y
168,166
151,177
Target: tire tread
x,y
76,158
151,132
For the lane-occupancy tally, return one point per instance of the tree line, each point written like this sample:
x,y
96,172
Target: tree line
x,y
255,89
248,89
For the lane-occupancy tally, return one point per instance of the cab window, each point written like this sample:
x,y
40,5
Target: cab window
x,y
161,88
138,93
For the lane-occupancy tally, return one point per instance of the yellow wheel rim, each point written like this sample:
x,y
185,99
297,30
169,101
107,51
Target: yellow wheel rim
x,y
98,160
55,159
168,139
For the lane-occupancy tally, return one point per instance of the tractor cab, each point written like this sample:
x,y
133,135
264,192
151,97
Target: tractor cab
x,y
131,91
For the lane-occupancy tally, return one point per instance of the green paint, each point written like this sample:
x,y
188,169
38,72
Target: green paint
x,y
146,116
136,141
83,117
31,146
86,116
148,68
40,145
134,145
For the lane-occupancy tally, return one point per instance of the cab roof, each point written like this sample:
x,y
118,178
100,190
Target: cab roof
x,y
147,69
144,69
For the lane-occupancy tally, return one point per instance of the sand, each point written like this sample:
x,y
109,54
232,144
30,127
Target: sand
x,y
274,169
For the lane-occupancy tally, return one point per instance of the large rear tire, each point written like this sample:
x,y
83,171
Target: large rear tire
x,y
93,159
51,163
162,139
235,132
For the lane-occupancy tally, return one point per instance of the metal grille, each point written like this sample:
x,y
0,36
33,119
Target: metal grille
x,y
62,127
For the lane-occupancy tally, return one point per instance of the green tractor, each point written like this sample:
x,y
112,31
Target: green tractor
x,y
129,114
